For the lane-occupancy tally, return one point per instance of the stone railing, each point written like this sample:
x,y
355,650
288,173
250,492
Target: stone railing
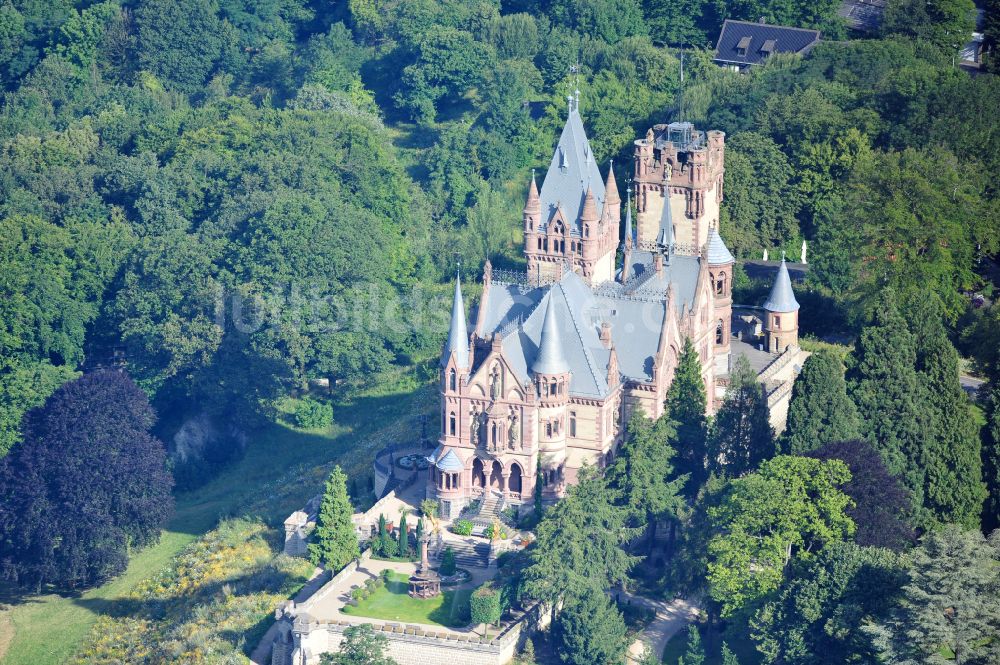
x,y
779,363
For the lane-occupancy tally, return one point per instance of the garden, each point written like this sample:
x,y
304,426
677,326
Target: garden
x,y
390,601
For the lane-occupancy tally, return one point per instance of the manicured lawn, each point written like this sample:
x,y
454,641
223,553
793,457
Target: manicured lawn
x,y
281,469
391,603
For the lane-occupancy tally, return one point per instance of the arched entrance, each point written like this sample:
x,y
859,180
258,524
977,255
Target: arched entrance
x,y
496,476
478,475
515,478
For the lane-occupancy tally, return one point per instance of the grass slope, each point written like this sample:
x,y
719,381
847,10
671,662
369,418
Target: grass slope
x,y
282,468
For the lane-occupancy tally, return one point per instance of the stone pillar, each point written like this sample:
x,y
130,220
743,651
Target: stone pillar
x,y
505,483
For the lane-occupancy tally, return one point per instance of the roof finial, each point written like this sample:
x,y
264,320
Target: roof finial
x,y
782,256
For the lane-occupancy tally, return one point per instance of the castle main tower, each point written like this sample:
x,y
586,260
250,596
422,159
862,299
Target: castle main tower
x,y
573,221
680,167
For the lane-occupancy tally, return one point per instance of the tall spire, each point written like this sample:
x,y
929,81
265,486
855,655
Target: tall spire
x,y
458,334
550,356
782,298
628,240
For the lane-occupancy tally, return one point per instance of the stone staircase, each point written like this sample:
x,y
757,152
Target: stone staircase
x,y
489,508
469,555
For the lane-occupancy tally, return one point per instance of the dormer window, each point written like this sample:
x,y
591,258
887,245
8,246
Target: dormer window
x,y
743,46
768,47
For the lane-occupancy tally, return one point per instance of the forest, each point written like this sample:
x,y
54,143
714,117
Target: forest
x,y
242,203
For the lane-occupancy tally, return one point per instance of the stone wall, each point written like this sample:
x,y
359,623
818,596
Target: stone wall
x,y
302,639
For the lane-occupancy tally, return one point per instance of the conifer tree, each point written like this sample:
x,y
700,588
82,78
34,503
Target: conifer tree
x,y
949,604
336,541
883,384
742,437
951,461
695,652
590,629
991,461
729,656
686,407
643,473
820,411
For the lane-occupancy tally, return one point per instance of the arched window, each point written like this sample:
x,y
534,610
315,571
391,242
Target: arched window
x,y
553,388
572,423
586,230
720,332
452,380
720,285
452,424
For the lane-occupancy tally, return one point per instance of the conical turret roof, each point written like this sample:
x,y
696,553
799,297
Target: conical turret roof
x,y
571,171
611,187
589,212
718,253
782,298
550,358
533,202
458,334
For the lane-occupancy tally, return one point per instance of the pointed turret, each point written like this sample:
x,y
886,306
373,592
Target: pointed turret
x,y
718,253
611,187
550,358
589,212
782,298
533,204
458,334
781,325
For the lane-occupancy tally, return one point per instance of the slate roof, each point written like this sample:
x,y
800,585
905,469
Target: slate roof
x,y
781,298
718,253
450,462
458,334
519,313
785,40
550,358
571,171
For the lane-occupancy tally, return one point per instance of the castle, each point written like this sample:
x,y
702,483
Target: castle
x,y
560,356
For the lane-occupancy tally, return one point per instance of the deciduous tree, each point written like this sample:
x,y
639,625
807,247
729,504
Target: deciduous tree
x,y
87,485
791,506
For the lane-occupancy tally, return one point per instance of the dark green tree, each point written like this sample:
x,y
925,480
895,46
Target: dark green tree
x,y
404,536
179,41
361,646
579,543
883,383
686,408
335,540
448,562
818,613
590,629
741,436
820,411
952,462
949,602
946,24
643,474
991,461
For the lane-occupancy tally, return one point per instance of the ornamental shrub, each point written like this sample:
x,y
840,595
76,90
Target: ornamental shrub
x,y
462,527
312,414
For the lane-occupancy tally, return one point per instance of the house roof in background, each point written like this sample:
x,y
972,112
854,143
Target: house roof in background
x,y
752,37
